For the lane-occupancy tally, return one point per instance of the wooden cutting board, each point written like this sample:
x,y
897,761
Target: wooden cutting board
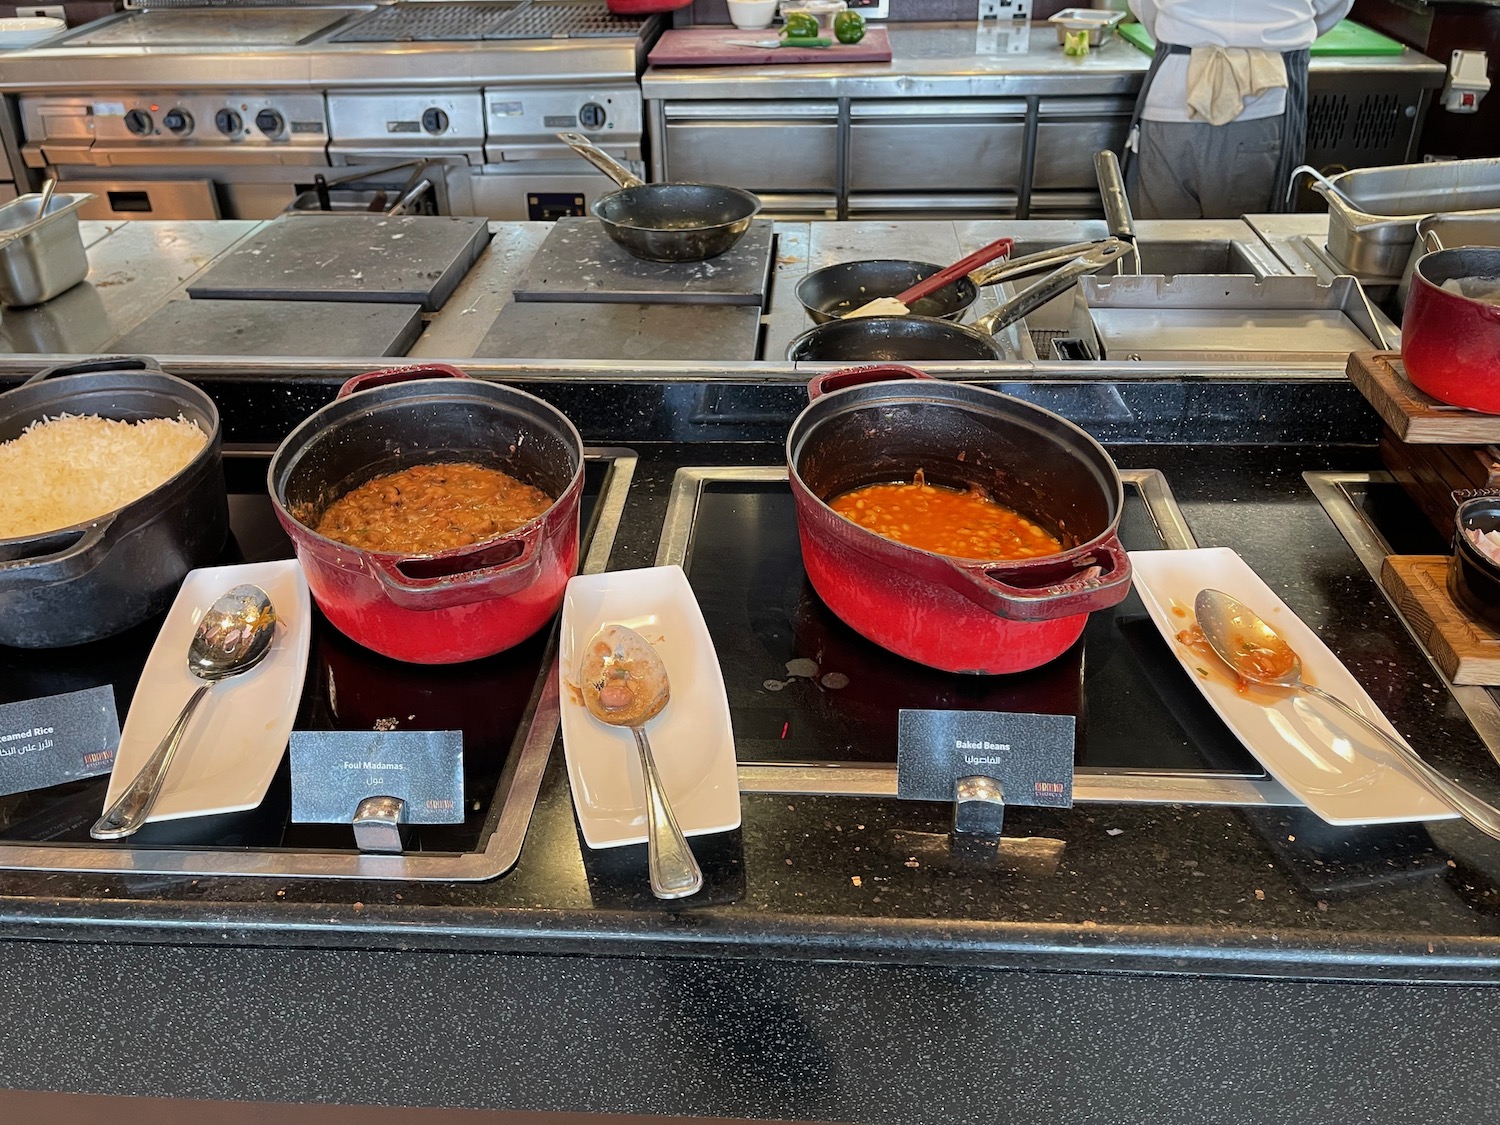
x,y
1467,651
711,46
1413,415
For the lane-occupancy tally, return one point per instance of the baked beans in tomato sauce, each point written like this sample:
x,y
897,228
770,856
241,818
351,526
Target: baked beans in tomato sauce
x,y
431,508
948,521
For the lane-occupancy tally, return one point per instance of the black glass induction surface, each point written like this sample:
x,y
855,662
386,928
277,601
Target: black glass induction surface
x,y
804,687
347,688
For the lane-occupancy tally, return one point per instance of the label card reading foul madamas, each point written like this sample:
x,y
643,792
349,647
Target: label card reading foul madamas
x,y
333,771
1030,755
57,738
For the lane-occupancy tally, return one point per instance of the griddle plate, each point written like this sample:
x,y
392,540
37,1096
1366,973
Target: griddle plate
x,y
623,333
300,328
405,259
578,261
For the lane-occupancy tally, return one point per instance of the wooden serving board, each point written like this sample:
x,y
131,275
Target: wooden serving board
x,y
712,46
1411,414
1467,651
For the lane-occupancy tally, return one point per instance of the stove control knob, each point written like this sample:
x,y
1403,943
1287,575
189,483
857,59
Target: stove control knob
x,y
178,121
269,122
228,122
139,122
591,115
435,121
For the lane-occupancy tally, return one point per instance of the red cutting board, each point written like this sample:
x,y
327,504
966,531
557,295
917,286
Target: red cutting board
x,y
709,46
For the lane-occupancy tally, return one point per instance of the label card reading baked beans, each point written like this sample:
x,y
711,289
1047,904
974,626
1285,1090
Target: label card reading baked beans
x,y
334,770
57,738
1031,756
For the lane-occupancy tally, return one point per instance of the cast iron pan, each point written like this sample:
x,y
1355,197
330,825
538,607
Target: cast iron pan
x,y
666,222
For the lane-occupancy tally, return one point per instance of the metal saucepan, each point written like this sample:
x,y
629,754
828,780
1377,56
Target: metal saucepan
x,y
880,339
666,222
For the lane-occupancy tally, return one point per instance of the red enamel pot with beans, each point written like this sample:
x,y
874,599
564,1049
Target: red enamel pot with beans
x,y
881,424
448,605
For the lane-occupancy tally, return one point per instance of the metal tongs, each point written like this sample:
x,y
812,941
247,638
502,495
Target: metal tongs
x,y
408,194
1079,259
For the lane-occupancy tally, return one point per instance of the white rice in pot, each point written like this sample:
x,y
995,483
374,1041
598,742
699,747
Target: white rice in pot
x,y
72,468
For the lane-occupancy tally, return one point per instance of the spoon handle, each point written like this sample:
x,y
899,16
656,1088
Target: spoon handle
x,y
132,807
674,870
1469,805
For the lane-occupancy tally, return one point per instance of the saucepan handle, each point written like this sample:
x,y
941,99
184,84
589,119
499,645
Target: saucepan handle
x,y
80,553
98,363
601,159
464,577
1098,578
403,374
858,376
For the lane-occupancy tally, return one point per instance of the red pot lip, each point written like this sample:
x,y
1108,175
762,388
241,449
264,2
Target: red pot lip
x,y
306,432
876,544
880,545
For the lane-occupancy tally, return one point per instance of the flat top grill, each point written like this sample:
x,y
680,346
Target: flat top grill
x,y
194,27
510,19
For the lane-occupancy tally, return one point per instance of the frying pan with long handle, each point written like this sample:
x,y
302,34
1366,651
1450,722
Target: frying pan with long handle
x,y
895,338
670,222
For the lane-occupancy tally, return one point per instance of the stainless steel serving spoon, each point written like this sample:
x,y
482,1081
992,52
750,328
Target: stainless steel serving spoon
x,y
625,684
233,636
1258,653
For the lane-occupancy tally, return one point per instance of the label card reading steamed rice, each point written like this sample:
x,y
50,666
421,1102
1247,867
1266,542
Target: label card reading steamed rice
x,y
57,738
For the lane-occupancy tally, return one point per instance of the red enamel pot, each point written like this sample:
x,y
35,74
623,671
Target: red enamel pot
x,y
1450,343
453,605
877,424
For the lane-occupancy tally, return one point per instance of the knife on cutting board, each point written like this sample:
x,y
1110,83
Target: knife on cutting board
x,y
766,44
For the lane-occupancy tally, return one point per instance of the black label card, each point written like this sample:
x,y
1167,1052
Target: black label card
x,y
333,771
57,738
1030,755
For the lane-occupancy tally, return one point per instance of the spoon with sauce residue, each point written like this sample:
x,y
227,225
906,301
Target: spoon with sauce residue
x,y
624,683
1258,654
233,636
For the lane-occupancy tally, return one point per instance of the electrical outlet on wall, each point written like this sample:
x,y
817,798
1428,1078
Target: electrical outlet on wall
x,y
1005,9
55,11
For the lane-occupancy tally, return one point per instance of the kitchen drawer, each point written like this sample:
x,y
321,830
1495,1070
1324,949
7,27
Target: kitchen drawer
x,y
936,145
788,155
1069,132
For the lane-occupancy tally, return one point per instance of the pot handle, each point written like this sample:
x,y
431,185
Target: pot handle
x,y
79,553
1096,580
465,577
98,363
403,374
859,376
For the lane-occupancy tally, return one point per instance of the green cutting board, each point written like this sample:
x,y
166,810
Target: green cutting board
x,y
1346,38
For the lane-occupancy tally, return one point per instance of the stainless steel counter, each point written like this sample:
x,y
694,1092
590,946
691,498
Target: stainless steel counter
x,y
136,268
978,59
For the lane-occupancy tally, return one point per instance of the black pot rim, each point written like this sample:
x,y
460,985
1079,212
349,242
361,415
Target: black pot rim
x,y
150,380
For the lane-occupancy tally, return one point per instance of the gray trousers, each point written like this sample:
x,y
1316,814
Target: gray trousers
x,y
1194,170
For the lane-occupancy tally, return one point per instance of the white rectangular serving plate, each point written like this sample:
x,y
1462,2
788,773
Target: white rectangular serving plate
x,y
230,750
692,739
1338,769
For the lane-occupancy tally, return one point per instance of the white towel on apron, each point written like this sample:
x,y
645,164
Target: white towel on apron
x,y
1221,79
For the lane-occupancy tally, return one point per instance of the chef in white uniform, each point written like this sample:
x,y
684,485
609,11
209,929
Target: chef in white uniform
x,y
1222,117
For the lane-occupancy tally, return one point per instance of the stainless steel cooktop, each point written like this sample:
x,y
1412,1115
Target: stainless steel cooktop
x,y
213,27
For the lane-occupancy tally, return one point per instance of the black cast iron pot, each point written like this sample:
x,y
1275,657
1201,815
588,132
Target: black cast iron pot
x,y
98,578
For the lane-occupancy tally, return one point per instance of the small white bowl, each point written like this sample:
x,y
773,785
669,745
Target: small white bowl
x,y
751,15
24,31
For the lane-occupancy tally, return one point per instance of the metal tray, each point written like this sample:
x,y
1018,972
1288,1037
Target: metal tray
x,y
1444,231
40,255
1226,318
1373,212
